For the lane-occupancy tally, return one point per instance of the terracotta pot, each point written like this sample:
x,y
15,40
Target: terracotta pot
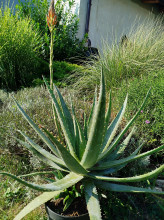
x,y
54,216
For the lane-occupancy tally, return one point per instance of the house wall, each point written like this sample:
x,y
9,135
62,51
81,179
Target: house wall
x,y
111,19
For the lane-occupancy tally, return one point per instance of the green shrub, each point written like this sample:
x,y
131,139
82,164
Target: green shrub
x,y
66,45
62,70
151,121
141,53
20,44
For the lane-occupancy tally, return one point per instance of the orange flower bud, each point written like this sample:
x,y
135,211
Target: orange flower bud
x,y
51,17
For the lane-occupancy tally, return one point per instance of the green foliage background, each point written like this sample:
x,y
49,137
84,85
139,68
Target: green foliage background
x,y
20,44
66,44
153,132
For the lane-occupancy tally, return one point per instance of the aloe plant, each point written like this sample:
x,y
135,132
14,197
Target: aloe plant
x,y
91,154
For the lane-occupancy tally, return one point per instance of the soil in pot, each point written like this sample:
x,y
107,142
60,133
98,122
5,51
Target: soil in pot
x,y
77,208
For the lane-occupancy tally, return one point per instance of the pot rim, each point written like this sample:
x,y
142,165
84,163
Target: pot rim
x,y
67,217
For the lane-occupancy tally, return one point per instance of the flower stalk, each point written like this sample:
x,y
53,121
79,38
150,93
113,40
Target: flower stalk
x,y
51,61
51,21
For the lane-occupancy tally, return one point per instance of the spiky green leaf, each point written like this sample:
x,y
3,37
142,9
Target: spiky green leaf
x,y
92,110
80,139
35,127
85,127
66,113
70,161
108,113
111,132
44,197
37,174
96,132
109,148
121,148
69,139
139,178
46,159
124,188
42,151
64,183
92,200
57,124
110,164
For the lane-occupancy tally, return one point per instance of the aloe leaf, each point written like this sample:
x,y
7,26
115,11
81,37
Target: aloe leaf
x,y
64,125
121,148
35,127
96,132
108,171
124,144
110,148
62,184
131,158
70,161
92,110
42,151
80,148
142,177
108,113
119,167
41,199
66,113
137,150
124,188
37,173
41,156
92,200
52,138
82,144
111,131
85,127
77,138
57,124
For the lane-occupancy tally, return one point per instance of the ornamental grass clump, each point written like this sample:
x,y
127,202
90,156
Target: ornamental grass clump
x,y
137,54
90,155
20,47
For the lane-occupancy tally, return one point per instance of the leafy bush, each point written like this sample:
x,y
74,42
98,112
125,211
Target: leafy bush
x,y
20,44
139,54
151,121
62,70
66,45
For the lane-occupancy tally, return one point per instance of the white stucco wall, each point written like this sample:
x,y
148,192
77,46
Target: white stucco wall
x,y
110,18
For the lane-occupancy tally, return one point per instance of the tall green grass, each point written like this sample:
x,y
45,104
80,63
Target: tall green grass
x,y
150,123
141,53
20,44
